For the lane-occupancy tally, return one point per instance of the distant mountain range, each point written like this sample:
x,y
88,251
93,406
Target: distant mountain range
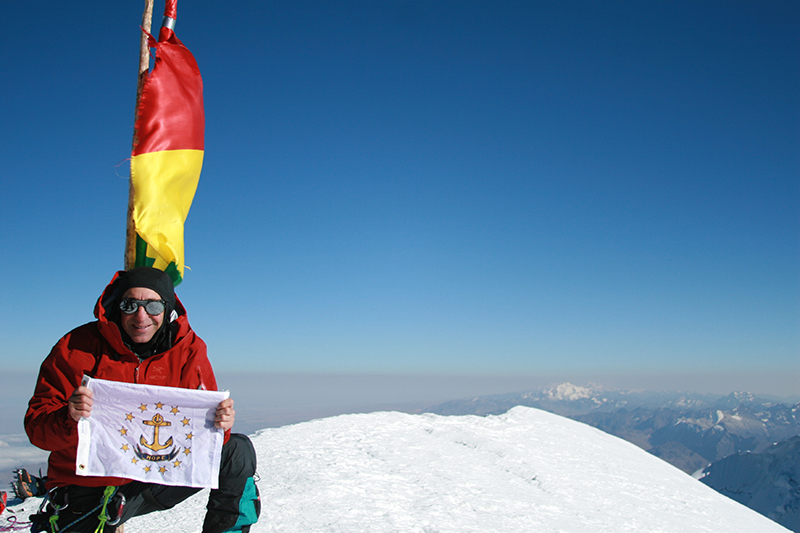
x,y
767,482
690,431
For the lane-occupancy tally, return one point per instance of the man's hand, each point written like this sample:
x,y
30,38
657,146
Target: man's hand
x,y
225,415
80,403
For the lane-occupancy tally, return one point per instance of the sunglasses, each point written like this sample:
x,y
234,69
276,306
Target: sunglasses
x,y
153,307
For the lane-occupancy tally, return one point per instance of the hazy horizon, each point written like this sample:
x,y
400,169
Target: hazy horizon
x,y
271,399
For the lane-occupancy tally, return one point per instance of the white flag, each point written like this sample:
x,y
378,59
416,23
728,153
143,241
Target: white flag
x,y
163,435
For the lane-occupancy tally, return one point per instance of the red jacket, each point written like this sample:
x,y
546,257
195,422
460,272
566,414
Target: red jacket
x,y
96,349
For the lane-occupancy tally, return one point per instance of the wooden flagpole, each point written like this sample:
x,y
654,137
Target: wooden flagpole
x,y
144,67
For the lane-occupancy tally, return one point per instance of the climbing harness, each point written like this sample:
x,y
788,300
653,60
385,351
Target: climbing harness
x,y
103,517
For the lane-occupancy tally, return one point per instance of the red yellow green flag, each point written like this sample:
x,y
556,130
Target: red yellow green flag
x,y
167,153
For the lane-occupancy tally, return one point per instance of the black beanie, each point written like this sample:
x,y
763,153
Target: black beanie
x,y
149,278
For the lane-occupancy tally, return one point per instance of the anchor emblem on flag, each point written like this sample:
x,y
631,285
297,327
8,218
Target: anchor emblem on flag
x,y
157,422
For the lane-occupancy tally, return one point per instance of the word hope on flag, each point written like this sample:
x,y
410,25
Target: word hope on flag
x,y
163,435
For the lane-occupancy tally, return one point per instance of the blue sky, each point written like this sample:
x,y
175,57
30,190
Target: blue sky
x,y
447,188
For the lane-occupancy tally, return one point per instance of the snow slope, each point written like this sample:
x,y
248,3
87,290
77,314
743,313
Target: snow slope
x,y
523,471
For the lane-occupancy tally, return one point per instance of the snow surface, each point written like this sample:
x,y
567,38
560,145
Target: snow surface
x,y
523,471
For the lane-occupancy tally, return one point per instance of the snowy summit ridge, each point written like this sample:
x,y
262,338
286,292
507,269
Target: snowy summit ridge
x,y
522,471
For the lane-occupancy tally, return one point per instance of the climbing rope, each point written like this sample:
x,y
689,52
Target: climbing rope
x,y
103,517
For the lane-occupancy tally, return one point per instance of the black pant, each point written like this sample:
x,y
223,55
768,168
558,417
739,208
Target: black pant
x,y
238,463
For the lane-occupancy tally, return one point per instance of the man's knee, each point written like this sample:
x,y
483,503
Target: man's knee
x,y
238,457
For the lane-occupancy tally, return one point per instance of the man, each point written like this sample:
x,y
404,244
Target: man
x,y
141,335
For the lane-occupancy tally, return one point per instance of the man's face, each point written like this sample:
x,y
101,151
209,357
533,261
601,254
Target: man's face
x,y
140,326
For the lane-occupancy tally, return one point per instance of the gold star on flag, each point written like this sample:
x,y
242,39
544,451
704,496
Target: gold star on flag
x,y
123,431
124,448
187,451
189,436
175,411
129,417
143,408
134,460
185,421
147,469
159,405
176,463
162,469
